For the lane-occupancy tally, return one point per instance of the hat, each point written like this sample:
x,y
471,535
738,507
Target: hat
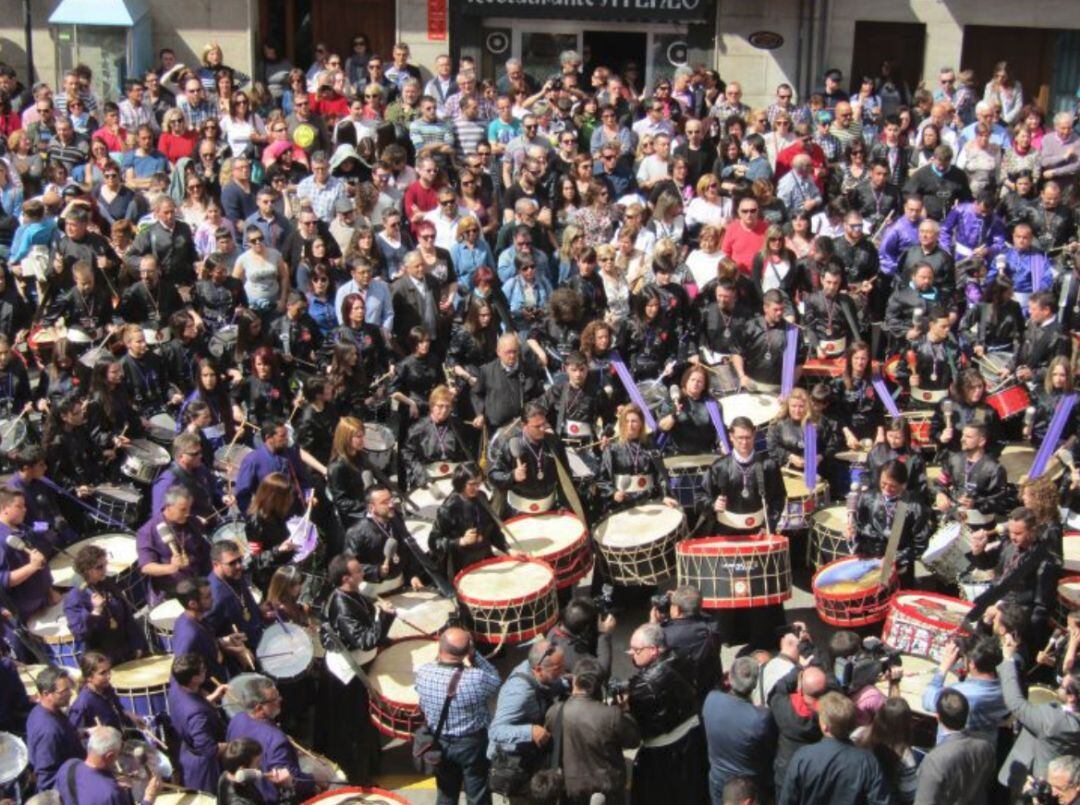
x,y
824,116
343,205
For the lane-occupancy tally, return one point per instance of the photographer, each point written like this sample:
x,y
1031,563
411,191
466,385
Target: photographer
x,y
858,666
981,687
519,743
594,736
670,766
584,632
693,638
1046,730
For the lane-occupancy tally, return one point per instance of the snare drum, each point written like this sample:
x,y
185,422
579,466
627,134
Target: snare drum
x,y
426,612
736,572
115,503
162,429
51,626
285,652
558,538
849,592
227,460
355,795
922,623
637,545
761,409
1009,402
144,461
395,704
827,541
946,553
919,424
122,558
687,476
508,600
141,685
801,502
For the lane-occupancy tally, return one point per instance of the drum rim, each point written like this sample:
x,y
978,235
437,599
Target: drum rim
x,y
909,611
356,789
704,546
383,649
852,596
494,560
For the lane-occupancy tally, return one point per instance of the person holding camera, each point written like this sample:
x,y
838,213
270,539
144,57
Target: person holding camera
x,y
981,686
958,770
519,743
593,735
670,766
741,736
464,737
1046,730
583,632
692,637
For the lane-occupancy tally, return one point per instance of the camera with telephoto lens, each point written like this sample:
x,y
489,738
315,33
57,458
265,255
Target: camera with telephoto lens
x,y
1039,792
604,601
661,602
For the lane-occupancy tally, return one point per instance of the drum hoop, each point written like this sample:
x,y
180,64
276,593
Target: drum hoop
x,y
909,611
825,595
579,541
376,694
731,546
494,560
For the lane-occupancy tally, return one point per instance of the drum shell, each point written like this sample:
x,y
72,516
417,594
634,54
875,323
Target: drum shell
x,y
483,614
911,632
852,609
748,582
570,563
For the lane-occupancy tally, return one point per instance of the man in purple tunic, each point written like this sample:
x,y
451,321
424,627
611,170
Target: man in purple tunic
x,y
92,781
262,705
50,737
24,573
196,720
171,546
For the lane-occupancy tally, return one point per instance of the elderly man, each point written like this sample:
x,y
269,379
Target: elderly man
x,y
94,781
797,188
670,766
518,739
280,763
1061,150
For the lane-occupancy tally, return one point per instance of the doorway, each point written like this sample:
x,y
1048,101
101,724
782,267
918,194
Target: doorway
x,y
615,50
902,42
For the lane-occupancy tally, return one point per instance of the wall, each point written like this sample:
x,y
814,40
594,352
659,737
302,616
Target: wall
x,y
183,26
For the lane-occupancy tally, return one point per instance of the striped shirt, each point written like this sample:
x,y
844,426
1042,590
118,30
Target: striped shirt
x,y
469,711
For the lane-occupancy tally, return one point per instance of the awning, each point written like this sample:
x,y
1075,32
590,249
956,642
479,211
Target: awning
x,y
121,13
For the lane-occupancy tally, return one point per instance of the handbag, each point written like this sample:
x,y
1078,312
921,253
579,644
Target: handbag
x,y
426,751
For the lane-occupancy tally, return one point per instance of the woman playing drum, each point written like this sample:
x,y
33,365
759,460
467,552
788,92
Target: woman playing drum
x,y
97,702
99,616
966,403
857,402
631,471
1057,384
897,447
687,420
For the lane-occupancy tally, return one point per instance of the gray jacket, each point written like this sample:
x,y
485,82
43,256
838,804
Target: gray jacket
x,y
1047,731
956,772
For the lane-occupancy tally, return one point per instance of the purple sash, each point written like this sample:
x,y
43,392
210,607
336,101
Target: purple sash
x,y
886,398
717,423
810,455
791,349
1053,435
632,390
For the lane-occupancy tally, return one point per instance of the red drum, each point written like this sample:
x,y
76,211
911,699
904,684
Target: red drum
x,y
736,572
922,623
1009,402
849,592
357,795
394,702
559,538
508,600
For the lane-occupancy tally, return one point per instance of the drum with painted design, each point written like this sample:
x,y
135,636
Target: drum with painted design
x,y
508,600
922,623
395,704
736,572
558,538
637,545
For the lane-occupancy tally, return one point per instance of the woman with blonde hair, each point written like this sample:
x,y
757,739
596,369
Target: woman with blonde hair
x,y
348,473
631,470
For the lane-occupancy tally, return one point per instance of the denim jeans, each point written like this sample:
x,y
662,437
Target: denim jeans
x,y
464,761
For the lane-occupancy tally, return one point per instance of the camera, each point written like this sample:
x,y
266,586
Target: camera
x,y
604,601
661,602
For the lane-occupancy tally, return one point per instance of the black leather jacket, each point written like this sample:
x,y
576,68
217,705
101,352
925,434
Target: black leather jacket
x,y
661,698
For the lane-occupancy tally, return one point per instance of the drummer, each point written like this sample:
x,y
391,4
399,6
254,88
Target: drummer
x,y
98,613
382,544
171,546
43,511
897,447
830,317
869,530
188,470
97,702
464,532
24,571
523,464
434,446
743,492
759,361
631,471
966,403
1056,385
357,624
197,722
972,486
686,419
234,608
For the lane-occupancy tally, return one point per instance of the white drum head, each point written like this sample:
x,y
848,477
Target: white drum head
x,y
505,580
833,518
393,673
50,624
760,409
638,526
120,553
427,611
545,534
149,672
163,616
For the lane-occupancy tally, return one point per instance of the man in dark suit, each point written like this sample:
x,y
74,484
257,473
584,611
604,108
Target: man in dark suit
x,y
957,770
416,296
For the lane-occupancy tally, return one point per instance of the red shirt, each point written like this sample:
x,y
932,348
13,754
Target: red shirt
x,y
742,244
176,146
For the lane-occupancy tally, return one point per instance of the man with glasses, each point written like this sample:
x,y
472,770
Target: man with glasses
x,y
188,470
321,189
194,105
745,237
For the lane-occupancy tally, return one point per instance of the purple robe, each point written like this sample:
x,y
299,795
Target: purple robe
x,y
91,707
33,594
152,549
90,786
197,637
50,740
201,729
277,753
